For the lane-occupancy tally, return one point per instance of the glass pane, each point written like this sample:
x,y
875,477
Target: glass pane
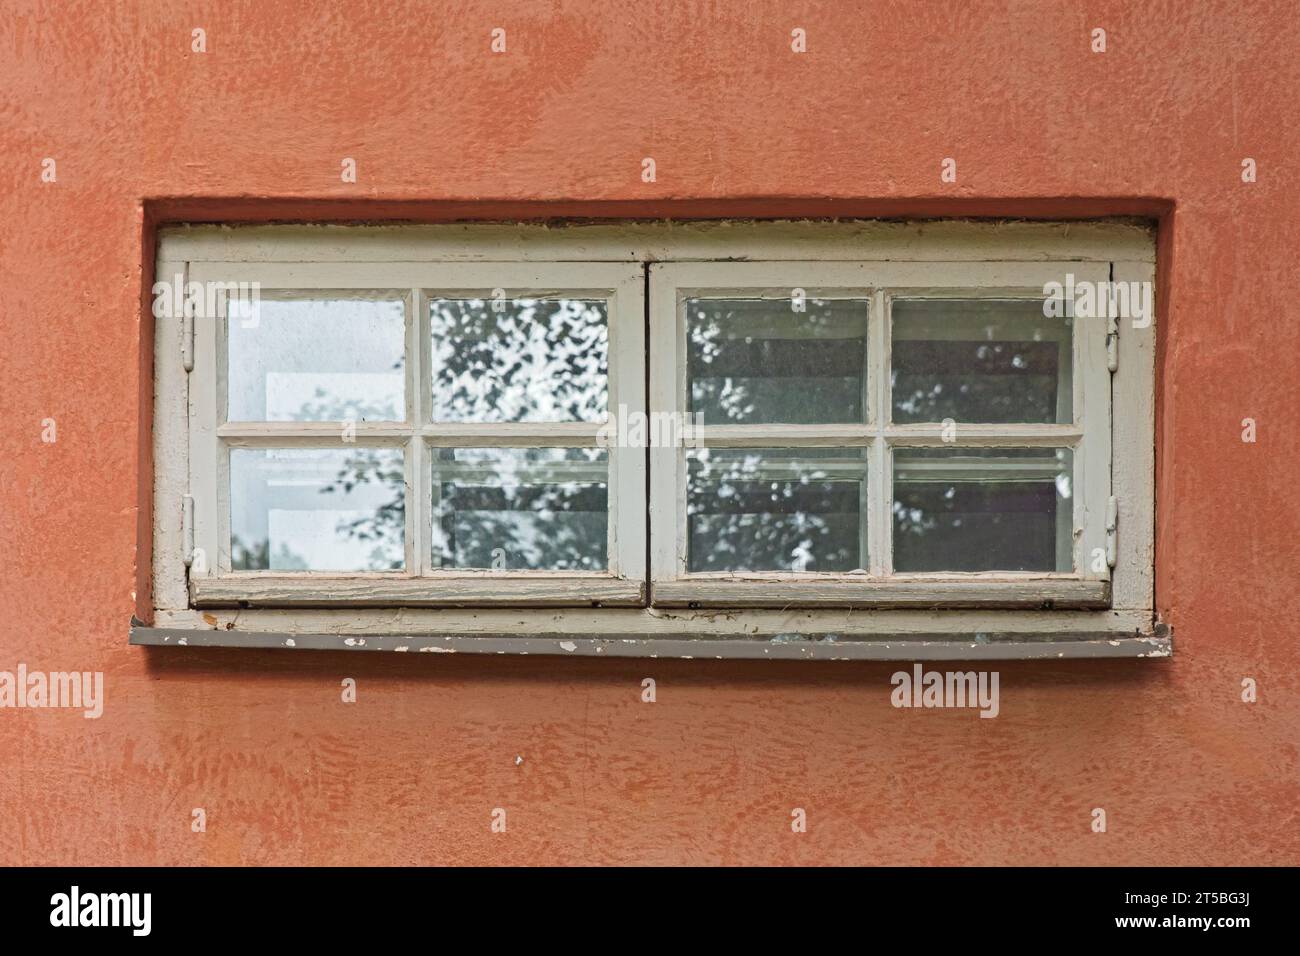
x,y
979,360
317,509
317,360
776,509
519,360
985,509
759,360
521,509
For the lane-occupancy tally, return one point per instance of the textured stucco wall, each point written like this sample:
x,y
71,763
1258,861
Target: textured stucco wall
x,y
736,122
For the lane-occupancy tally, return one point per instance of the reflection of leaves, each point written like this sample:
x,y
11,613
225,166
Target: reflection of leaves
x,y
363,466
550,527
387,526
544,359
489,367
525,514
743,519
812,369
973,381
538,359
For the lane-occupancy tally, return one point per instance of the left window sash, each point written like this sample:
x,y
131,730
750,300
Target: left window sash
x,y
385,448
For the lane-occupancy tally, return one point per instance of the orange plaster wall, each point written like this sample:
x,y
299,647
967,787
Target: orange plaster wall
x,y
143,130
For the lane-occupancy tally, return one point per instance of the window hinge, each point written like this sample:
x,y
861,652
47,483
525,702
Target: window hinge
x,y
1112,530
187,529
1112,346
187,341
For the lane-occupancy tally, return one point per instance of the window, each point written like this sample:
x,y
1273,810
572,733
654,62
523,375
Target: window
x,y
655,436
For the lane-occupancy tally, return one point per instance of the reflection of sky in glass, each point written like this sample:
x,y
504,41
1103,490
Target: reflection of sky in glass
x,y
318,360
534,360
521,509
776,509
757,360
317,509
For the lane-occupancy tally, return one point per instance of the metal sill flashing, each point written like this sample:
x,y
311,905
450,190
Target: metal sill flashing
x,y
825,647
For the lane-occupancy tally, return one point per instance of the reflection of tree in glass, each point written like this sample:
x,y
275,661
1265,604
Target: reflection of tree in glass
x,y
973,381
748,516
535,360
388,524
508,509
712,390
521,509
538,360
362,467
756,360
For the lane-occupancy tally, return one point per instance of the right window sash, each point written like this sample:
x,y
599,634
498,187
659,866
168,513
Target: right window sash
x,y
879,435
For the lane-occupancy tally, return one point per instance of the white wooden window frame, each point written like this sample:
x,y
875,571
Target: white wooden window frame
x,y
422,257
1088,436
212,437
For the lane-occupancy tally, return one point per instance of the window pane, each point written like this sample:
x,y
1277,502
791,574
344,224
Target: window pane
x,y
979,360
519,360
776,509
314,360
986,509
317,509
758,360
521,509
